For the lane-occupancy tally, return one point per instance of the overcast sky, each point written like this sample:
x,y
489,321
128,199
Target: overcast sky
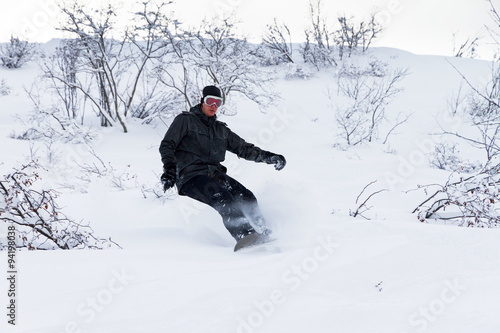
x,y
418,26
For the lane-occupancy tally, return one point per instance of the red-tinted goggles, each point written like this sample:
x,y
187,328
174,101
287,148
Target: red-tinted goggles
x,y
213,100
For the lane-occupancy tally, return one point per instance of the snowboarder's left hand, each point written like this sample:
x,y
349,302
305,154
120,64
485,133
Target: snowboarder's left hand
x,y
278,161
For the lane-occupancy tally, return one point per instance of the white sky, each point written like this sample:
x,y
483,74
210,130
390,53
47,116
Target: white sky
x,y
419,26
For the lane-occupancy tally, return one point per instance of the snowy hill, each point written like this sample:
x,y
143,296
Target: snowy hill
x,y
176,271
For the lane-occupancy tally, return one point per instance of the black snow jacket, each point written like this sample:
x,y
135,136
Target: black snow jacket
x,y
196,145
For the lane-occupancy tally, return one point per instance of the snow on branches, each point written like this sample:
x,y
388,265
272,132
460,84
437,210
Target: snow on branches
x,y
39,221
472,201
16,53
365,91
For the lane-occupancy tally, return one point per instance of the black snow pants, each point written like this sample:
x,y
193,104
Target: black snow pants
x,y
236,204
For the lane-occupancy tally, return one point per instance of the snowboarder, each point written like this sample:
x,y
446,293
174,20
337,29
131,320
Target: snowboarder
x,y
192,151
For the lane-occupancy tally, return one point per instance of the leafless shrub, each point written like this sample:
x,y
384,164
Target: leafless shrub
x,y
471,201
4,88
363,207
115,64
278,39
318,48
481,108
16,53
366,91
446,156
468,48
352,36
326,43
39,221
214,54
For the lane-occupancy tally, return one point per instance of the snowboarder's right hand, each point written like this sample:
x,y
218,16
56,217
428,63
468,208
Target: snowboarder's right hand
x,y
168,178
278,161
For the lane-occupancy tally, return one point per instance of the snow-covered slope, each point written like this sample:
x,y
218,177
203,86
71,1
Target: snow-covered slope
x,y
332,273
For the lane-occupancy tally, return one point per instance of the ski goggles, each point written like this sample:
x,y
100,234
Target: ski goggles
x,y
213,100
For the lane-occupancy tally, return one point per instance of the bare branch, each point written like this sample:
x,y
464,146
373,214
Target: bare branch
x,y
362,208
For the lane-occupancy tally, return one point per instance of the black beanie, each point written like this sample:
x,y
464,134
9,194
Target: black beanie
x,y
212,91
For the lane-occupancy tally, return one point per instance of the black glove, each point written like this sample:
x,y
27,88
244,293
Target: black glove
x,y
168,178
278,160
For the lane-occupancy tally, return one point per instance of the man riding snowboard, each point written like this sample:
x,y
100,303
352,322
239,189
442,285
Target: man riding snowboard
x,y
192,151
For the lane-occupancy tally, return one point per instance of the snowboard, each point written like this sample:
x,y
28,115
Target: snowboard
x,y
252,240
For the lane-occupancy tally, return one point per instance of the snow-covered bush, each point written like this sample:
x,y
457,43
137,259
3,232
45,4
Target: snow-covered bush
x,y
43,127
98,169
472,202
318,48
16,53
365,90
296,71
352,36
468,48
50,122
4,88
39,222
277,39
61,74
213,53
326,44
446,157
155,104
111,62
481,109
264,56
